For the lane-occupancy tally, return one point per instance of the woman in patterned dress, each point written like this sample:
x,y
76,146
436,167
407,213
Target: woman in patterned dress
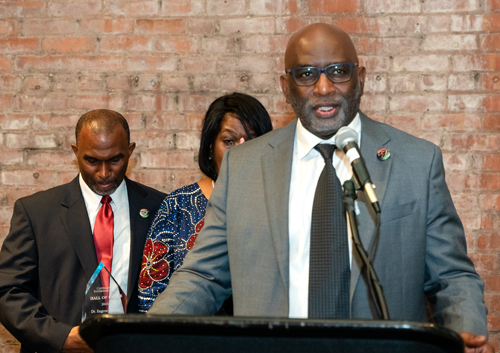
x,y
229,121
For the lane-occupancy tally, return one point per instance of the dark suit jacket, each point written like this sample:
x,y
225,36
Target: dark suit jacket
x,y
244,248
49,256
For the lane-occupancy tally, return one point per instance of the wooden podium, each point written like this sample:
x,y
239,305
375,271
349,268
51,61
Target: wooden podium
x,y
195,334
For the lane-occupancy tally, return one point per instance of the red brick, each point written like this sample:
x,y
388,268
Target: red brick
x,y
375,63
74,9
198,64
166,122
151,63
131,8
195,103
18,45
491,22
489,201
465,102
472,141
45,63
5,101
172,160
391,46
449,6
290,24
146,82
245,26
489,80
246,63
423,63
493,322
266,7
462,82
8,27
490,221
122,44
492,103
491,122
52,159
155,140
358,24
429,83
477,62
26,177
219,45
154,178
465,201
120,82
404,122
10,83
490,42
206,83
67,45
177,26
446,42
9,157
417,103
458,181
195,121
53,26
332,6
91,102
91,83
490,181
419,24
225,8
55,121
453,122
16,9
96,63
140,102
182,8
388,6
176,45
106,25
14,121
202,27
490,162
467,23
36,83
52,102
5,63
493,4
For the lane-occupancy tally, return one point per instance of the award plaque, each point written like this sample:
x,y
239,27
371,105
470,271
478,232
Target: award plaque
x,y
99,298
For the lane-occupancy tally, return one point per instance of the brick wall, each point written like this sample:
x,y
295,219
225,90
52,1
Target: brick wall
x,y
433,70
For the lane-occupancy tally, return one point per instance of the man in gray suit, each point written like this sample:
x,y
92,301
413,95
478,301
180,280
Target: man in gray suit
x,y
255,243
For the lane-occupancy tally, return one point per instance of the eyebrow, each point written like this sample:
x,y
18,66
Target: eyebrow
x,y
87,157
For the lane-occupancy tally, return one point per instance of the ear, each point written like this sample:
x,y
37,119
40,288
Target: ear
x,y
74,147
361,77
284,86
131,148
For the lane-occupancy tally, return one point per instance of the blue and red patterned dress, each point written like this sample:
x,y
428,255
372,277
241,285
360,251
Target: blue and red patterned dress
x,y
172,234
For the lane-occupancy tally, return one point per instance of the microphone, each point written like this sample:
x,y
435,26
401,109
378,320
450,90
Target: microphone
x,y
347,139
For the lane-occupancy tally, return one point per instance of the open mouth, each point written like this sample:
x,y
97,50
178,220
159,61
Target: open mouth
x,y
326,110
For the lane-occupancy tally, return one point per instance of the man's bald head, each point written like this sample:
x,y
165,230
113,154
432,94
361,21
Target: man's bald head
x,y
319,35
102,121
324,101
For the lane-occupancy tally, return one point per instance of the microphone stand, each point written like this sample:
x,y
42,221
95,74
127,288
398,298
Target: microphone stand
x,y
373,281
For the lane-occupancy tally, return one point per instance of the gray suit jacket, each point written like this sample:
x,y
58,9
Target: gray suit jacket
x,y
244,247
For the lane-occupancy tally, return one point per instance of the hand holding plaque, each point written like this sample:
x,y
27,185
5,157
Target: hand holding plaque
x,y
99,297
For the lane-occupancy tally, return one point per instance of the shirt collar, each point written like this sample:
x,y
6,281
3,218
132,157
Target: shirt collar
x,y
307,140
119,197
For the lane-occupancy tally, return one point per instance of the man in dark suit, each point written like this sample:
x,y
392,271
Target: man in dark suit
x,y
256,240
49,255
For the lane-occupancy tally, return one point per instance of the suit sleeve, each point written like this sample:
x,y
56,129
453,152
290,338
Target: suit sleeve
x,y
20,310
203,282
451,282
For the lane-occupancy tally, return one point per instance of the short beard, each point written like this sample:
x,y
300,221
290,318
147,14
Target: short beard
x,y
348,108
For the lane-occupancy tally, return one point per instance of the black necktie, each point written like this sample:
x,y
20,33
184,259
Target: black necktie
x,y
329,270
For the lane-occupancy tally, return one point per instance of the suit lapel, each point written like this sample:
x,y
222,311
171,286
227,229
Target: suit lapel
x,y
139,227
373,138
76,221
277,170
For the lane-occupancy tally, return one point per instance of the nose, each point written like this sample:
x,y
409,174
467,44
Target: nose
x,y
104,171
324,86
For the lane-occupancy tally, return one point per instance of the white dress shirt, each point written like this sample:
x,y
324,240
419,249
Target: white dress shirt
x,y
307,165
121,233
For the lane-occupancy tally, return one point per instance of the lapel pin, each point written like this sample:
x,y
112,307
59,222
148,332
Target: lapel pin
x,y
383,154
144,213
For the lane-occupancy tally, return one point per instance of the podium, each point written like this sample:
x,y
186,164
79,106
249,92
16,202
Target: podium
x,y
196,334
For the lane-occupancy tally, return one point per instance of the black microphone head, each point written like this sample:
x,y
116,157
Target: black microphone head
x,y
344,136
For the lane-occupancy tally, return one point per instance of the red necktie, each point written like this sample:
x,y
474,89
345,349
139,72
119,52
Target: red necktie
x,y
103,237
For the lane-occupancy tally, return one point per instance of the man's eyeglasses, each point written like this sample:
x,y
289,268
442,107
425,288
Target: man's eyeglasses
x,y
309,75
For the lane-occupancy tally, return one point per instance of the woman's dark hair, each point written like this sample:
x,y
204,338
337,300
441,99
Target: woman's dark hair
x,y
249,111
